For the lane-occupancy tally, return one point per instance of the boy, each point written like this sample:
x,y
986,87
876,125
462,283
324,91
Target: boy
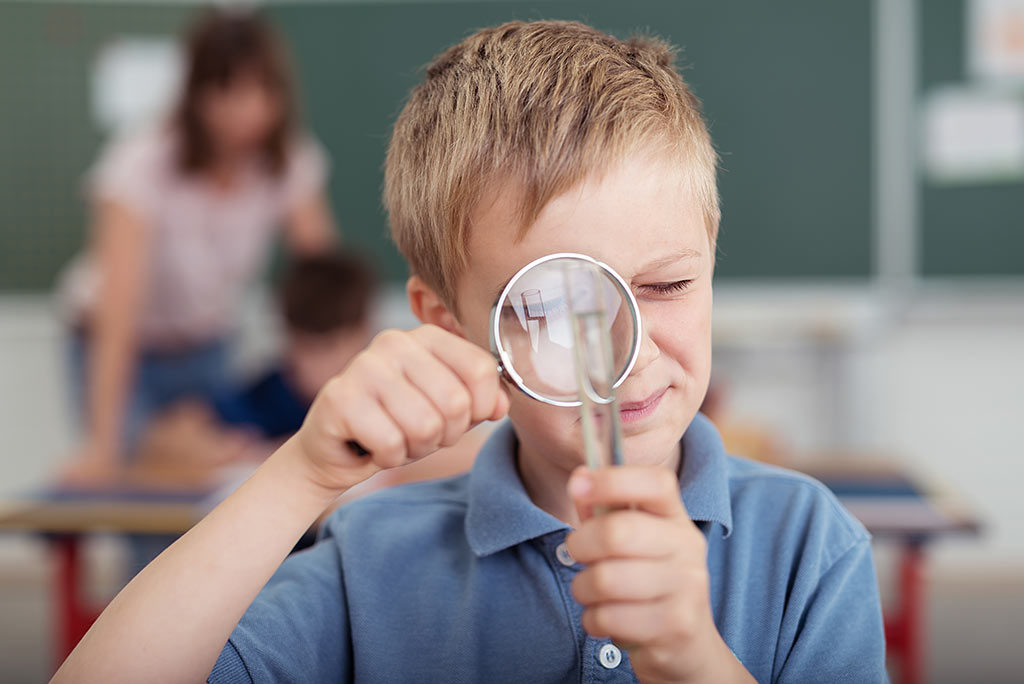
x,y
325,306
522,140
324,303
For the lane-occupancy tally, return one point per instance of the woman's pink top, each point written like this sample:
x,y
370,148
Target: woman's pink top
x,y
206,244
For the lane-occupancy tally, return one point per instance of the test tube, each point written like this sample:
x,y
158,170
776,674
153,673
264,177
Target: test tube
x,y
594,367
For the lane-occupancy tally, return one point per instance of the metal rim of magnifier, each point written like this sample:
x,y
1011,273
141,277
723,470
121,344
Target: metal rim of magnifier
x,y
504,363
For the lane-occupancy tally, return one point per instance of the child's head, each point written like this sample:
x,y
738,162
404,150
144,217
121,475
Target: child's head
x,y
325,302
532,138
238,95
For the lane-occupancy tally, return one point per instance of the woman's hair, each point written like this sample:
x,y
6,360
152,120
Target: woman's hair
x,y
221,46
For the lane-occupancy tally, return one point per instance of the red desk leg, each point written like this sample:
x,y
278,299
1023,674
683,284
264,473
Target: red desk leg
x,y
73,615
904,627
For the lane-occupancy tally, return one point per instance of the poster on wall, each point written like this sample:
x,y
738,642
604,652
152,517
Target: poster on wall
x,y
973,135
995,41
134,81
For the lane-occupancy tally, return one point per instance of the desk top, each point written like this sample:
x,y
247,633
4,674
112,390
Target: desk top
x,y
116,510
892,501
888,500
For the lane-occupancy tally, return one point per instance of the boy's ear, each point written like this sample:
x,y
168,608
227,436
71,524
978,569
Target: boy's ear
x,y
427,306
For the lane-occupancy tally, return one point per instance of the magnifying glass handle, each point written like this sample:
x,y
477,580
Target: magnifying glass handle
x,y
357,448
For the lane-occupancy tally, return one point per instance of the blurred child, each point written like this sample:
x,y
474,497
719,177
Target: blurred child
x,y
325,304
184,214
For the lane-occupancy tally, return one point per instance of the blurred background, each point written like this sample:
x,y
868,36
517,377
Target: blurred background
x,y
869,315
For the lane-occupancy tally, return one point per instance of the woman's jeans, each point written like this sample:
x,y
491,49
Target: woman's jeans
x,y
159,379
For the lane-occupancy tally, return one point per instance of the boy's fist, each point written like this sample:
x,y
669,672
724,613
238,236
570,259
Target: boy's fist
x,y
646,583
406,395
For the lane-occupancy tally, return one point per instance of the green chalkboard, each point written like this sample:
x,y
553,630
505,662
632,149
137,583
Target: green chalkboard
x,y
786,87
47,138
968,229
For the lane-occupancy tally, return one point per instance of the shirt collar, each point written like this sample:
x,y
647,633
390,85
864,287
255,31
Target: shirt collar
x,y
704,481
500,513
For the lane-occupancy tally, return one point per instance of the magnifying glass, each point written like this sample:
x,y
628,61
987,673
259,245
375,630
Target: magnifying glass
x,y
565,331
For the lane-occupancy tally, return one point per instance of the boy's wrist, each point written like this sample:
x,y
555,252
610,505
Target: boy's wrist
x,y
717,665
300,473
725,666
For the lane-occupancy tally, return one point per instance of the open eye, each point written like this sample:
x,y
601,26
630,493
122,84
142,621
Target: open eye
x,y
667,288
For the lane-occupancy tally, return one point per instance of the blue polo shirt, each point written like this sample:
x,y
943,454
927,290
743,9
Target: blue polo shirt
x,y
466,580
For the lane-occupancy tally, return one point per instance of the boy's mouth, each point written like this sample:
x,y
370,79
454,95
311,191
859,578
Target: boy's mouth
x,y
632,411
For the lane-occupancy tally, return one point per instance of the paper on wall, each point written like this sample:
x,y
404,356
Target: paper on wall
x,y
135,80
973,136
995,40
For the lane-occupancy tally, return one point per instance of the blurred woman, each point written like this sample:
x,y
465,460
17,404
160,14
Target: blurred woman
x,y
184,215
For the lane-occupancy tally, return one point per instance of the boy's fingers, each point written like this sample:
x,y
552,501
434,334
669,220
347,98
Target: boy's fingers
x,y
414,414
649,488
444,390
502,405
630,622
475,367
377,432
624,534
624,580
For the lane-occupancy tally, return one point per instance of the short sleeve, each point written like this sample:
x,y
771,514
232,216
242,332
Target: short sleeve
x,y
836,625
130,171
306,172
296,630
231,407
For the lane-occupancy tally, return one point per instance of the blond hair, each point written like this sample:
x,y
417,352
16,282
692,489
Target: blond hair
x,y
541,105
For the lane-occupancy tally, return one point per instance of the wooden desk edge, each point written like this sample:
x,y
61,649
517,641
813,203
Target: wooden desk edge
x,y
47,517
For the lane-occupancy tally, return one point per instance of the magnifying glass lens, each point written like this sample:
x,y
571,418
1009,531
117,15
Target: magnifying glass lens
x,y
535,323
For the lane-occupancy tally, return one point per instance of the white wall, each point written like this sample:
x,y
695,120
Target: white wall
x,y
35,413
935,379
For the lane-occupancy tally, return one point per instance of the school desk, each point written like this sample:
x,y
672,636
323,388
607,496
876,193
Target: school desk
x,y
897,505
890,502
65,518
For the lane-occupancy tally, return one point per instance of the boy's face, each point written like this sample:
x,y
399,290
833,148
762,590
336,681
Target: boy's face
x,y
314,358
639,219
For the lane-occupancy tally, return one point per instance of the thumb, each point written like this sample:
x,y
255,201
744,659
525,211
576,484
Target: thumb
x,y
578,484
501,405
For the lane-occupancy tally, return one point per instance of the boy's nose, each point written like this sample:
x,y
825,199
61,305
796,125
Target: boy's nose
x,y
649,351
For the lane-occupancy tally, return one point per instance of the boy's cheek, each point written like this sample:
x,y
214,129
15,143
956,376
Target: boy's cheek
x,y
557,428
538,418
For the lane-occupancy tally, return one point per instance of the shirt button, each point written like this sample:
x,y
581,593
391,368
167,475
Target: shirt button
x,y
610,656
563,555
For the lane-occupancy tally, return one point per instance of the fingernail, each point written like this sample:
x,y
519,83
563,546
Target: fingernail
x,y
580,484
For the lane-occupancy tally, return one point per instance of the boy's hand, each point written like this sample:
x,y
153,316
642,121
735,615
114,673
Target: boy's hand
x,y
403,397
646,582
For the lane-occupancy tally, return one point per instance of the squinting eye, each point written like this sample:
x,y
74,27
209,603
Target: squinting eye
x,y
667,288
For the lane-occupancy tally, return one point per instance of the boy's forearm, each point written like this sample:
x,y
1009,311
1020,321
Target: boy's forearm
x,y
176,615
